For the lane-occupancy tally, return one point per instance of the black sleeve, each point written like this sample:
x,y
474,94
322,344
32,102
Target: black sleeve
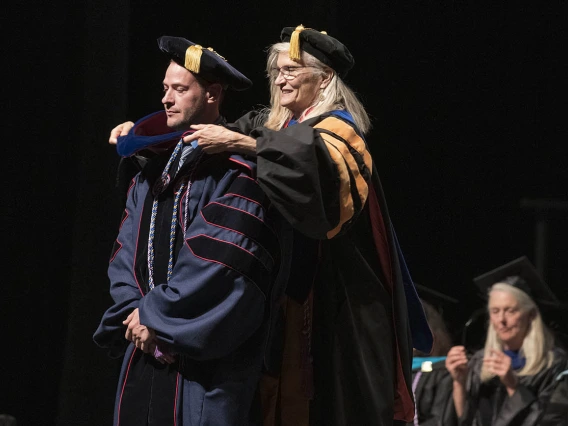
x,y
432,393
248,122
473,384
556,412
316,175
526,406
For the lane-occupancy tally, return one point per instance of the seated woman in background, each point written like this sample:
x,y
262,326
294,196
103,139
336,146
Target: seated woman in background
x,y
510,381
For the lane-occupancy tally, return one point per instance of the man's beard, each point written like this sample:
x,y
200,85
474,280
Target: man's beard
x,y
193,116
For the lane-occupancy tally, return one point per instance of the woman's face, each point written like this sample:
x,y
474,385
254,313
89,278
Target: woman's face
x,y
302,91
509,322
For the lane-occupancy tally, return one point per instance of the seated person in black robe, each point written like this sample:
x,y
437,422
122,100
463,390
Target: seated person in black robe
x,y
431,381
511,380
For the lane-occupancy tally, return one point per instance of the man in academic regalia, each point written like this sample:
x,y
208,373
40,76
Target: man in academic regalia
x,y
193,268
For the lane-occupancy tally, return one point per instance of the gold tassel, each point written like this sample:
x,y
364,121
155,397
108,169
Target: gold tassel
x,y
193,58
295,52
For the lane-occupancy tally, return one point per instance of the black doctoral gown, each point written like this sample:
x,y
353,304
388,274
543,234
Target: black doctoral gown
x,y
488,404
432,389
346,265
320,175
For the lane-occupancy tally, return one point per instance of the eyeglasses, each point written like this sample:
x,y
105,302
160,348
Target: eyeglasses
x,y
288,73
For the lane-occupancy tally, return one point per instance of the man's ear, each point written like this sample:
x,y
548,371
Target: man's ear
x,y
214,92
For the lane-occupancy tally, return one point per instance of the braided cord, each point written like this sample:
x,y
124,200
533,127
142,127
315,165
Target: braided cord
x,y
159,188
185,185
173,225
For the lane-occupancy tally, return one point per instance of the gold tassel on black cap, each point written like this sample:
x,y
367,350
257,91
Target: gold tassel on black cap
x,y
193,58
295,52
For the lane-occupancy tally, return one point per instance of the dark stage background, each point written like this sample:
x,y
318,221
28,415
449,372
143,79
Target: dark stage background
x,y
469,106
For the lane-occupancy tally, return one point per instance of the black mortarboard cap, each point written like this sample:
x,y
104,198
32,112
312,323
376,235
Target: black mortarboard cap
x,y
204,62
519,273
327,49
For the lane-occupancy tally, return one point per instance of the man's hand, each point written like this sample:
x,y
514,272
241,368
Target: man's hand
x,y
499,363
144,338
214,139
133,320
456,364
120,130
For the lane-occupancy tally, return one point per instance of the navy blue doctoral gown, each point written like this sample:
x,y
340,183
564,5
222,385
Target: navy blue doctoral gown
x,y
214,312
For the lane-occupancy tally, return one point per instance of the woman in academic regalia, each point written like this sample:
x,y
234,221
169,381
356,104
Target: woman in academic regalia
x,y
346,340
510,381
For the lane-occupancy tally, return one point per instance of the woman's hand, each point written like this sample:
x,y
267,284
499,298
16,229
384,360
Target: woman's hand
x,y
456,364
499,363
120,130
214,139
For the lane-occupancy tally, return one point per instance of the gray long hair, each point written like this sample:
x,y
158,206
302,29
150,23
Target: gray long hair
x,y
336,96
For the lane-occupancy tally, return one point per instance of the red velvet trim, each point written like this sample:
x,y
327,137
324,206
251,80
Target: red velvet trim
x,y
380,236
233,230
233,194
403,401
187,133
222,241
176,399
126,215
216,261
132,183
245,165
116,252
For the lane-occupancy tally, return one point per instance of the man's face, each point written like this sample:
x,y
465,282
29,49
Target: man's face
x,y
184,98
